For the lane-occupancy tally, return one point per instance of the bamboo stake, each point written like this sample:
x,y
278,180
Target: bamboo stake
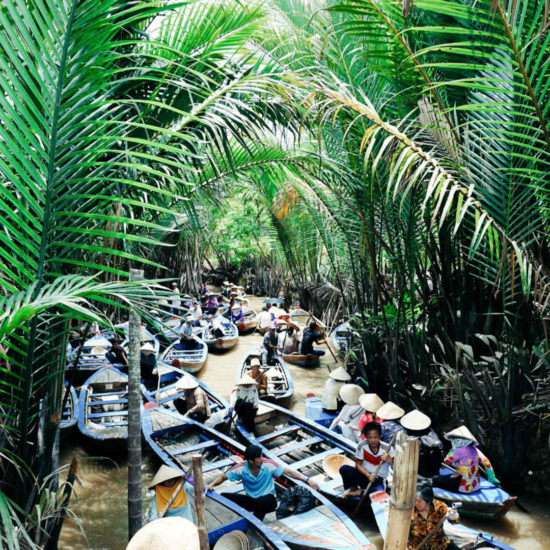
x,y
199,502
405,470
365,492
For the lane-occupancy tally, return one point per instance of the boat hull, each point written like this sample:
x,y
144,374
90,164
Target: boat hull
x,y
191,361
306,361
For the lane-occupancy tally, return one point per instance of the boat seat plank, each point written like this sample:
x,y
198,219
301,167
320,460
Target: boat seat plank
x,y
110,402
103,394
232,489
283,431
296,446
107,413
197,447
108,424
218,465
315,458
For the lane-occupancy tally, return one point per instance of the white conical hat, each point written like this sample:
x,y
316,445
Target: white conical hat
x,y
390,411
147,347
164,473
416,420
166,534
246,380
463,432
370,402
350,394
186,383
340,374
255,361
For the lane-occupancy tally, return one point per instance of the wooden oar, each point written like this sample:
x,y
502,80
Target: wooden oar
x,y
173,497
432,532
365,492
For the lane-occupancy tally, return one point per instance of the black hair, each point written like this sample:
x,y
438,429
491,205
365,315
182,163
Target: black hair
x,y
312,325
425,493
370,426
252,451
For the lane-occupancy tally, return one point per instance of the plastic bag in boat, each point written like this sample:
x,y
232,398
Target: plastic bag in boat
x,y
295,500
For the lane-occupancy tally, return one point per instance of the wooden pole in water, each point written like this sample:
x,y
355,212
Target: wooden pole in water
x,y
405,471
199,502
134,417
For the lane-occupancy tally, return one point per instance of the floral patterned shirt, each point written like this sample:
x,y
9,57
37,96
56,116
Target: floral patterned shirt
x,y
466,461
420,527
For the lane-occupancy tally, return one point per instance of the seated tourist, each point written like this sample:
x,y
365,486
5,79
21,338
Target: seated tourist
x,y
336,379
391,414
258,375
346,421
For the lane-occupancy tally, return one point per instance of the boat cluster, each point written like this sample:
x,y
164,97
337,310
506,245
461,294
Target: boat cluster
x,y
300,444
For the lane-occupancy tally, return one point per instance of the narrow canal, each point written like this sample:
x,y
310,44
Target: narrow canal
x,y
100,502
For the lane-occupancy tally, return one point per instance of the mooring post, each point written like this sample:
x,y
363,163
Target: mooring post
x,y
405,471
134,417
199,502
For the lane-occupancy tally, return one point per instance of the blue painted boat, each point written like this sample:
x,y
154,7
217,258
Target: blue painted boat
x,y
145,336
69,414
462,536
279,382
250,321
190,360
103,409
167,392
228,341
490,502
315,412
170,328
91,358
175,439
341,338
303,445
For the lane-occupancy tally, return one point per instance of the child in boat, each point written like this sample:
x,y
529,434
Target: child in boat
x,y
336,379
259,375
256,474
370,403
466,459
165,482
370,454
346,421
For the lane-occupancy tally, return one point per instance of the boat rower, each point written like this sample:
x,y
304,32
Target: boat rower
x,y
165,482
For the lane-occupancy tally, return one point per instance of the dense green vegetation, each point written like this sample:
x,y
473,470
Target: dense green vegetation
x,y
391,158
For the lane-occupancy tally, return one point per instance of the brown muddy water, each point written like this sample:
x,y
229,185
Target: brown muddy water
x,y
99,508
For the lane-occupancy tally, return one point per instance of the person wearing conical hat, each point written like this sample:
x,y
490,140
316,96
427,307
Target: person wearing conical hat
x,y
336,379
165,482
466,459
370,403
346,421
194,402
369,455
148,365
259,375
244,400
237,314
391,414
195,314
417,425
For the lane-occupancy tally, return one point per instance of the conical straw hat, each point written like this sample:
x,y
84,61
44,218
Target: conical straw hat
x,y
340,374
370,402
416,420
165,473
186,383
147,347
390,411
333,463
246,380
255,361
350,394
463,432
166,534
234,540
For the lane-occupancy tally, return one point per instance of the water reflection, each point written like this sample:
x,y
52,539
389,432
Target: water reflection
x,y
101,501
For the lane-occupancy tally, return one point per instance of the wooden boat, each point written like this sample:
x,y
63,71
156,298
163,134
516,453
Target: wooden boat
x,y
250,320
170,328
103,409
341,338
490,502
190,360
69,414
315,412
303,445
307,361
91,359
462,536
227,341
279,382
166,392
302,318
175,439
145,336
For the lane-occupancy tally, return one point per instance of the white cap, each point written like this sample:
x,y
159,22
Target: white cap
x,y
350,394
255,361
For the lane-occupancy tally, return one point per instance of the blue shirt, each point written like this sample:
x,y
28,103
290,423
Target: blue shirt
x,y
260,485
